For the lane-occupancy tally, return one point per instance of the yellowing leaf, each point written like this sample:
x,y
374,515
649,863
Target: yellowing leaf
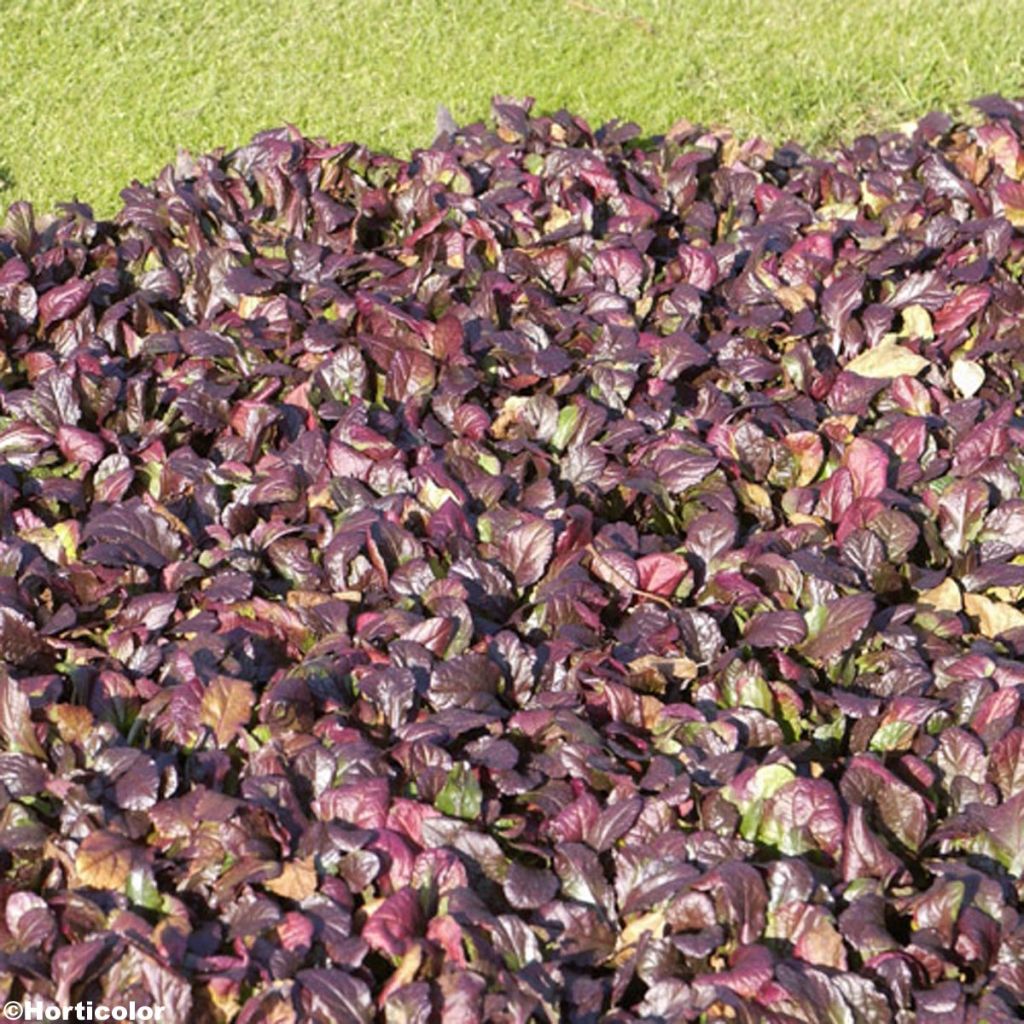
x,y
226,1002
405,973
509,415
51,543
836,211
803,519
793,299
297,880
945,597
104,861
887,360
807,448
306,598
678,668
558,218
248,304
968,376
74,722
753,496
653,921
322,499
68,533
652,711
917,323
226,706
994,617
433,497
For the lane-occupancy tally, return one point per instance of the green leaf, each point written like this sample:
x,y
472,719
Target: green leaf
x,y
567,420
768,779
893,736
489,463
461,795
141,889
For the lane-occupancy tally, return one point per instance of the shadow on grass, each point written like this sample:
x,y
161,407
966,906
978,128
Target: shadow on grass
x,y
6,185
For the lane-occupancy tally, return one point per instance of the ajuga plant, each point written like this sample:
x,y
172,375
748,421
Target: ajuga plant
x,y
560,576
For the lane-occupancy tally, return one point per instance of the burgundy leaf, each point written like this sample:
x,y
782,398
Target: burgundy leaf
x,y
775,629
63,301
527,550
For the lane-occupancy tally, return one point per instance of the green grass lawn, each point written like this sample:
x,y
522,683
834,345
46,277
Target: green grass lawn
x,y
94,93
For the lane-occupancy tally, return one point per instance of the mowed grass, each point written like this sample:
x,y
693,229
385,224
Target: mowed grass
x,y
94,93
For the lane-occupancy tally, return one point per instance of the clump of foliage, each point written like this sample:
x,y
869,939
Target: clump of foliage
x,y
556,577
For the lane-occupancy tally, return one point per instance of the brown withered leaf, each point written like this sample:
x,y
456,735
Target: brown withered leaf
x,y
105,860
297,880
226,706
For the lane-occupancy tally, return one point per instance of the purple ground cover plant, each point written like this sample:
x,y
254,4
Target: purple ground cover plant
x,y
561,576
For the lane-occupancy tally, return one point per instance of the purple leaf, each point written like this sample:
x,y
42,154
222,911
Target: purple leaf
x,y
775,629
395,923
131,534
63,301
961,512
29,920
840,299
330,994
527,550
529,888
869,467
845,620
899,809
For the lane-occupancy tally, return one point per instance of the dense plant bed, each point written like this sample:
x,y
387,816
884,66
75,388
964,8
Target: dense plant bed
x,y
550,579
